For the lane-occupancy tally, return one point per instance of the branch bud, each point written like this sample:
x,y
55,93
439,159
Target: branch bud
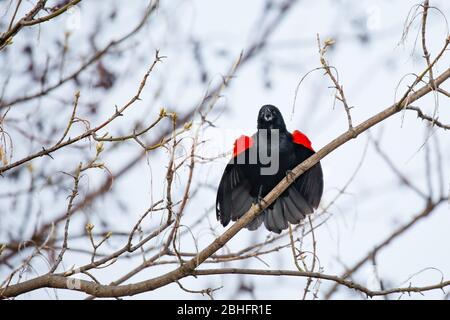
x,y
329,42
89,227
188,125
99,147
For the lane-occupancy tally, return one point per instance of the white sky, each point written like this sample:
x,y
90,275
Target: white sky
x,y
375,203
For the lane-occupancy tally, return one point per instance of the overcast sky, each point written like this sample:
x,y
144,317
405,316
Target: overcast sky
x,y
371,62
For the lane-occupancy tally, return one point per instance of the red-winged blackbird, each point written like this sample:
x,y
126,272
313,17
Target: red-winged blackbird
x,y
247,177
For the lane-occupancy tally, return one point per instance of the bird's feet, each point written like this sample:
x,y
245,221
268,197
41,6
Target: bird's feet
x,y
290,175
260,202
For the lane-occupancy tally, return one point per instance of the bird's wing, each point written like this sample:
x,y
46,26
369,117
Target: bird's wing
x,y
291,207
310,184
274,217
302,197
233,195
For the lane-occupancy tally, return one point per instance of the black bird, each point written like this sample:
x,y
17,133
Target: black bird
x,y
249,176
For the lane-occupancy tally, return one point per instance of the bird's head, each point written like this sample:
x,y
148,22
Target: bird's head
x,y
270,117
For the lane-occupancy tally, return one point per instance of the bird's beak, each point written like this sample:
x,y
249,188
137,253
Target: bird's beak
x,y
268,115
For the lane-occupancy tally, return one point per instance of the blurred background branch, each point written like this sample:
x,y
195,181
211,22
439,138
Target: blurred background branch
x,y
80,83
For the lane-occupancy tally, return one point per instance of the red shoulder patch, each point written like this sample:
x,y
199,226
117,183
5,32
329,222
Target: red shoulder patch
x,y
299,138
241,144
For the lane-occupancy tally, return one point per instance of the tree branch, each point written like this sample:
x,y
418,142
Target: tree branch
x,y
188,268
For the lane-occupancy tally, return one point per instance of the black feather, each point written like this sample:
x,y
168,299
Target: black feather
x,y
243,184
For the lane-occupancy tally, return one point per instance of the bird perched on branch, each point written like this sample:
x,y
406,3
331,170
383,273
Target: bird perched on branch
x,y
259,163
